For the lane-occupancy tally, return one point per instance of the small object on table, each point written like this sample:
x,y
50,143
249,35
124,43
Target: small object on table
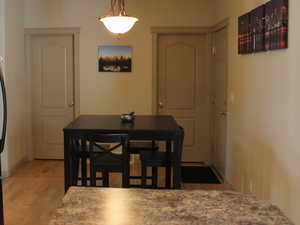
x,y
127,118
107,206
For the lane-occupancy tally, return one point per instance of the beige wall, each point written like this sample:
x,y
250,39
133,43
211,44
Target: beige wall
x,y
116,92
263,142
17,133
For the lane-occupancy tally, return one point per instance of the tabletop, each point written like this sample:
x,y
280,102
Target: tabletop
x,y
113,206
108,123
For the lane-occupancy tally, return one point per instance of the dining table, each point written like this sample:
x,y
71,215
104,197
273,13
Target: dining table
x,y
120,206
143,127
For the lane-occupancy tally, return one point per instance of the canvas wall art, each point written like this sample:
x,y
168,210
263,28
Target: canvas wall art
x,y
276,25
115,58
264,28
244,34
257,24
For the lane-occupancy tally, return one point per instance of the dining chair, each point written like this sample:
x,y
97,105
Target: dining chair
x,y
135,148
79,160
79,156
160,159
105,159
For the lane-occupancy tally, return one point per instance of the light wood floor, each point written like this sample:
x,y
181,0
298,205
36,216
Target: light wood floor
x,y
36,188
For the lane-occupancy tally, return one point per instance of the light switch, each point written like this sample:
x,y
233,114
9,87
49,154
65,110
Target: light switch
x,y
231,97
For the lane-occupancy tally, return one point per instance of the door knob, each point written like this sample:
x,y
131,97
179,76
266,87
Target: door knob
x,y
223,113
161,105
71,104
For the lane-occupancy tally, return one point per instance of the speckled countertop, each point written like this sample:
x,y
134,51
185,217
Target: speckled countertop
x,y
112,206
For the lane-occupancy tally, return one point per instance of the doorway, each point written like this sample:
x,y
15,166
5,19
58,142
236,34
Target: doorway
x,y
52,66
182,89
190,83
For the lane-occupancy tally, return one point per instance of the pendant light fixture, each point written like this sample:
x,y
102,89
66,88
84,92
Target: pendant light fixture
x,y
117,21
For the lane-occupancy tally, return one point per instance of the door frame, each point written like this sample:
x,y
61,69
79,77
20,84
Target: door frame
x,y
29,34
201,30
222,25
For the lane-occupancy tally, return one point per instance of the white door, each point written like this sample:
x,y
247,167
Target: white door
x,y
52,83
220,99
183,90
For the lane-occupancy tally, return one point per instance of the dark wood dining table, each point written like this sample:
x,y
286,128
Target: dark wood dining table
x,y
144,127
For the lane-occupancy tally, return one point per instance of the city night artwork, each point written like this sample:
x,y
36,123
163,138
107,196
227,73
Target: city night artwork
x,y
264,28
115,58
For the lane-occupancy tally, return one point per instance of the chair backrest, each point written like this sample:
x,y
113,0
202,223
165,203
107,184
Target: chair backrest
x,y
111,141
78,143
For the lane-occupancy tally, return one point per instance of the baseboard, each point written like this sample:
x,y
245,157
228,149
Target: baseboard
x,y
5,174
9,172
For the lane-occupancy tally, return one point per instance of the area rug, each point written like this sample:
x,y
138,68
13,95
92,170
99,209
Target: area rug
x,y
198,175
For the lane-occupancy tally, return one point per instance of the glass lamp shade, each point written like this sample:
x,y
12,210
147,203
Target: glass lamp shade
x,y
119,24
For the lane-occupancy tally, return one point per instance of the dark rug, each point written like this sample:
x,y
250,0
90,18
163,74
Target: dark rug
x,y
198,175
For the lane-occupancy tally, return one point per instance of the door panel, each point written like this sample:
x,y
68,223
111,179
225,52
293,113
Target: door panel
x,y
52,66
54,76
182,86
180,54
189,126
220,99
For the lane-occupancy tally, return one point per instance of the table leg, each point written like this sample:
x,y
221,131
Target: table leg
x,y
67,163
176,163
154,176
168,168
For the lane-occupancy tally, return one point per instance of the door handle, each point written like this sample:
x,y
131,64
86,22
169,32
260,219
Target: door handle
x,y
71,104
161,105
223,113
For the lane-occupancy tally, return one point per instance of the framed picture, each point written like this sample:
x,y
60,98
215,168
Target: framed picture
x,y
115,58
264,28
276,25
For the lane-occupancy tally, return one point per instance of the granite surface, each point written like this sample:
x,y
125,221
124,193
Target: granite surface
x,y
113,206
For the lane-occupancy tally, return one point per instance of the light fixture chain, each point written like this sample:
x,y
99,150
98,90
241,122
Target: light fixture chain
x,y
118,8
122,2
113,7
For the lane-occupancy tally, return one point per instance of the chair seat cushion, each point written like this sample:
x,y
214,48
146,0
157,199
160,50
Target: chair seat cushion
x,y
155,158
104,159
135,147
104,162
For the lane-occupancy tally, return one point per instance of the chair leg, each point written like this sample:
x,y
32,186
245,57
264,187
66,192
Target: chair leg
x,y
144,176
154,177
83,171
168,177
92,177
76,169
105,179
125,176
